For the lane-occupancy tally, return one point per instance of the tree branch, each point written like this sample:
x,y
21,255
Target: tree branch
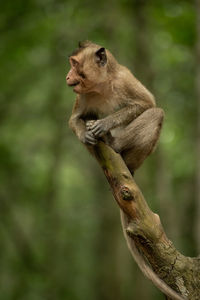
x,y
144,228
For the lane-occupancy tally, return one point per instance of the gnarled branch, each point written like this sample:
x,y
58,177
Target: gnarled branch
x,y
179,272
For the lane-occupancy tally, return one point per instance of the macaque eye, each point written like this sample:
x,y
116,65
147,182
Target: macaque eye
x,y
74,62
82,75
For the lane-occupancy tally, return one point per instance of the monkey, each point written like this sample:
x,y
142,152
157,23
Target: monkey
x,y
113,106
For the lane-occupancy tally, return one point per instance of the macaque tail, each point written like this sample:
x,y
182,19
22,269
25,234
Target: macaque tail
x,y
143,265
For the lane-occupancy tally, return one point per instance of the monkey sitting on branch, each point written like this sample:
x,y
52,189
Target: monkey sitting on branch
x,y
112,105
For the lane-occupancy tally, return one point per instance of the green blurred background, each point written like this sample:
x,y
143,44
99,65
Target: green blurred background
x,y
60,234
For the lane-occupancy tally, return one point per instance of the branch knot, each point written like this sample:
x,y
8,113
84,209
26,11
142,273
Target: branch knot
x,y
126,194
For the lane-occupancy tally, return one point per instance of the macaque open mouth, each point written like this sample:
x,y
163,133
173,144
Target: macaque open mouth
x,y
74,84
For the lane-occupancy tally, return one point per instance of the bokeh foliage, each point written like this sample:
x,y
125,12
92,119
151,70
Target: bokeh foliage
x,y
60,235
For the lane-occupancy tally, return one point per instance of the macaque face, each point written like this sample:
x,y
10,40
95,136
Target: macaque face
x,y
88,71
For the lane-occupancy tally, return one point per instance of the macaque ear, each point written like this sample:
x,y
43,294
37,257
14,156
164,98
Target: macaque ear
x,y
84,44
80,44
101,56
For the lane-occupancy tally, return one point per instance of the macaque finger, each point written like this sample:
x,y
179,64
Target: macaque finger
x,y
98,133
89,124
90,139
96,128
88,127
92,143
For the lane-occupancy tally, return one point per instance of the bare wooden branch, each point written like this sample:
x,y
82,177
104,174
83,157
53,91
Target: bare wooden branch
x,y
179,272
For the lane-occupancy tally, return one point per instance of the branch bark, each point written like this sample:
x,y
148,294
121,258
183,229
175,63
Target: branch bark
x,y
179,272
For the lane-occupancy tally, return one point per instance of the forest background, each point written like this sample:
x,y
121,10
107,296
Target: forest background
x,y
60,233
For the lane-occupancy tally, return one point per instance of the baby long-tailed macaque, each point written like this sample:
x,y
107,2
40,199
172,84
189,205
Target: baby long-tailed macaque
x,y
112,105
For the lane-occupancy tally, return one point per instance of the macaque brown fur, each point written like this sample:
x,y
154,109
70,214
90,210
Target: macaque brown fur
x,y
112,105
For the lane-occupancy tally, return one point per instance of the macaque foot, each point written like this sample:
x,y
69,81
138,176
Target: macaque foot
x,y
116,147
112,142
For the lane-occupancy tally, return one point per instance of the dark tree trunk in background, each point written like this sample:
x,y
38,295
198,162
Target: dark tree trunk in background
x,y
197,229
107,279
143,70
55,110
142,57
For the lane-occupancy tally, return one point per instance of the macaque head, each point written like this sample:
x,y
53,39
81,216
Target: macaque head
x,y
89,68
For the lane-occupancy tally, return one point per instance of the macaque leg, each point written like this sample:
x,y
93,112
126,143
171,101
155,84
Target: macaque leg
x,y
137,140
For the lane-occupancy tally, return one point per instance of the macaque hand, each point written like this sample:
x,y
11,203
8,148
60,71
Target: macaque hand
x,y
89,124
90,139
99,128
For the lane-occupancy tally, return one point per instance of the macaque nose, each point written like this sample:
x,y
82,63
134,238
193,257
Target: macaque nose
x,y
67,78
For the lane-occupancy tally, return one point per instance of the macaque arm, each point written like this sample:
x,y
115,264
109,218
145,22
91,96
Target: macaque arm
x,y
126,115
78,126
121,117
76,123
